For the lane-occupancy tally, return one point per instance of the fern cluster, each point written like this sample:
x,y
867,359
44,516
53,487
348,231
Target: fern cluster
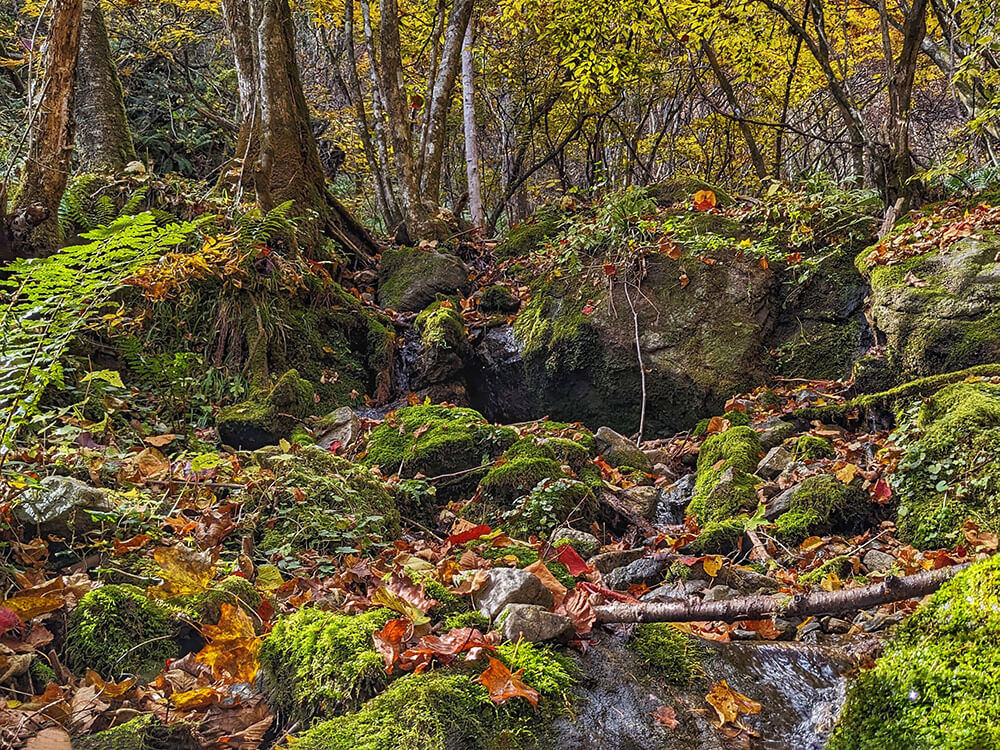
x,y
84,208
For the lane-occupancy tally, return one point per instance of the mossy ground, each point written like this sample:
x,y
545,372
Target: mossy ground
x,y
274,411
317,663
667,652
117,631
938,683
144,732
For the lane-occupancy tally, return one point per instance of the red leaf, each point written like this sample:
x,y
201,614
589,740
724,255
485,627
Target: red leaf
x,y
665,716
610,269
468,535
503,685
568,556
881,492
9,620
390,639
587,309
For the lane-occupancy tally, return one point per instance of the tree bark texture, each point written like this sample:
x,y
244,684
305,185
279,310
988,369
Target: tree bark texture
x,y
471,133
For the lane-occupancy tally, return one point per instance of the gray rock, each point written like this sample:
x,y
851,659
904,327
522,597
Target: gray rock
x,y
877,561
644,500
340,426
410,279
675,500
809,632
739,634
776,461
646,570
779,504
605,562
773,431
835,625
787,628
719,593
585,544
796,467
534,623
724,488
672,593
62,506
510,586
618,450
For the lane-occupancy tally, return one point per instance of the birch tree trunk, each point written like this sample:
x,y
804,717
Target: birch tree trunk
x,y
103,141
471,134
35,216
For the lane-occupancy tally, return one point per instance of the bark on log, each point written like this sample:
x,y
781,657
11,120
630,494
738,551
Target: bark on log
x,y
801,605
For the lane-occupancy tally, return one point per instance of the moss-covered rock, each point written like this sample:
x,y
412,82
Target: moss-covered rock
x,y
448,708
552,502
144,732
411,278
950,322
434,440
498,300
667,652
268,415
234,590
317,663
949,473
820,505
681,189
732,455
344,503
117,631
528,235
813,448
937,685
719,537
444,344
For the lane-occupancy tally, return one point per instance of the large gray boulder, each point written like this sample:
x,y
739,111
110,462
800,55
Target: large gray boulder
x,y
510,586
411,278
534,623
62,506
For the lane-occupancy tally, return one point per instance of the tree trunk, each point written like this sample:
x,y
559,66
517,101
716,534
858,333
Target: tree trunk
x,y
237,176
471,134
35,217
103,141
802,605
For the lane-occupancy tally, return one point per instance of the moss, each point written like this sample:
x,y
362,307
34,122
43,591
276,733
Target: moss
x,y
735,418
924,386
144,732
524,555
317,663
569,452
498,299
667,652
409,278
552,502
441,325
117,631
546,669
467,620
841,566
41,673
949,472
813,448
821,349
235,590
822,504
449,604
346,503
719,537
738,449
681,189
827,414
937,685
516,477
433,440
527,236
275,412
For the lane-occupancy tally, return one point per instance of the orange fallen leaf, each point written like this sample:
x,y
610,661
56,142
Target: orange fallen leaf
x,y
232,646
665,716
705,200
184,571
503,685
729,704
130,545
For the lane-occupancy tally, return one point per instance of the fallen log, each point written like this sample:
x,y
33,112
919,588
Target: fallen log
x,y
757,607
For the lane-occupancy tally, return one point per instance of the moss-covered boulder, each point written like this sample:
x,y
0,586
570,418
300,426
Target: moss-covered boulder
x,y
498,300
578,346
435,440
724,487
449,708
937,685
234,590
820,505
411,278
938,311
528,235
144,732
315,663
269,415
118,632
321,502
444,343
667,652
813,448
949,472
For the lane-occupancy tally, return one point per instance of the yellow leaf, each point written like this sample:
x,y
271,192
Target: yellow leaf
x,y
712,565
232,646
183,570
831,582
729,704
27,607
108,689
197,698
398,604
811,543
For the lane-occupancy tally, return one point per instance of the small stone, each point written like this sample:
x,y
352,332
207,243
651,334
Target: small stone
x,y
835,625
605,562
877,561
773,431
62,506
880,621
643,571
510,586
671,593
644,500
779,504
534,623
675,500
618,450
719,593
776,461
585,544
341,426
809,631
787,628
739,634
796,467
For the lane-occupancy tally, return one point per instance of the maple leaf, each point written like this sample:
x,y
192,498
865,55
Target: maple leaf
x,y
729,704
610,269
183,570
446,647
232,646
202,697
503,685
881,492
578,608
390,639
705,200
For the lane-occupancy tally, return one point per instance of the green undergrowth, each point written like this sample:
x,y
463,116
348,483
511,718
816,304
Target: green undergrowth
x,y
667,653
937,685
316,663
144,732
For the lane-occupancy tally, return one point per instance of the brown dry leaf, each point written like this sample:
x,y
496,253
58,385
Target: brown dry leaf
x,y
130,545
183,570
390,639
397,603
980,541
717,424
765,628
52,738
151,463
158,441
578,608
684,279
811,543
503,685
729,704
541,571
665,716
911,279
232,646
107,688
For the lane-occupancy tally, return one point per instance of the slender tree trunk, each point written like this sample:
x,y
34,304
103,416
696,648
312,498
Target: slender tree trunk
x,y
103,140
35,216
471,134
238,175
